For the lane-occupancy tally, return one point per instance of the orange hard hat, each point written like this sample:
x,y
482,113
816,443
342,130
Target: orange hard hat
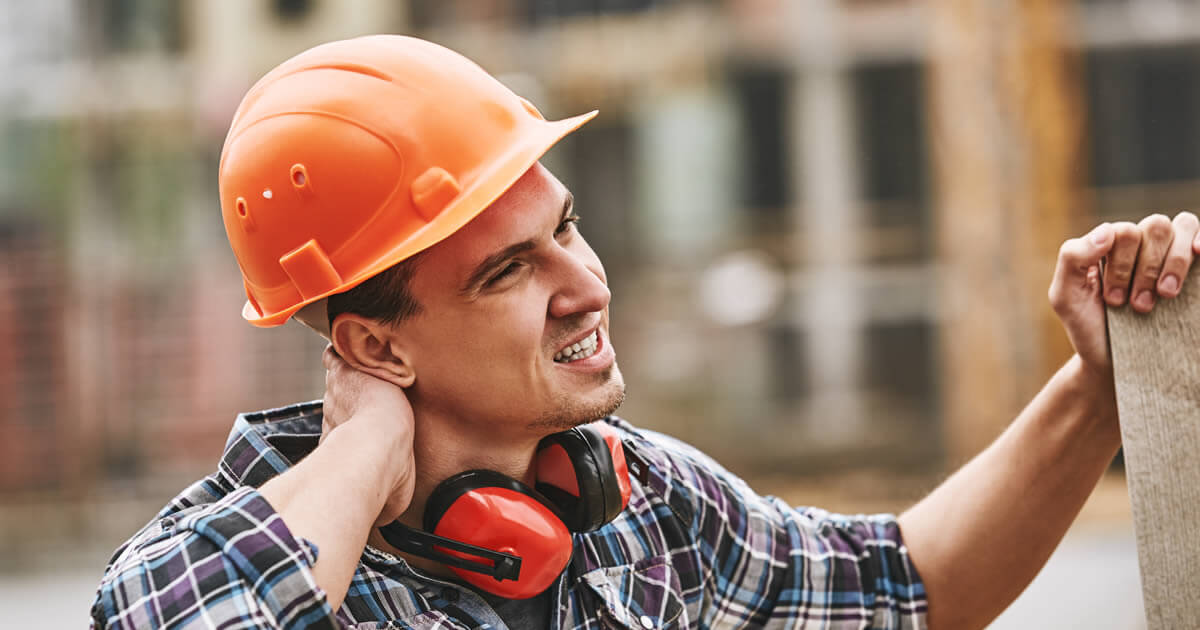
x,y
354,155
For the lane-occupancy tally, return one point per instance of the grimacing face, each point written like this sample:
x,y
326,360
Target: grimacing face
x,y
504,302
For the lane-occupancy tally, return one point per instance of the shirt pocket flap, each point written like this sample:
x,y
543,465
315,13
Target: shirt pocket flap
x,y
639,596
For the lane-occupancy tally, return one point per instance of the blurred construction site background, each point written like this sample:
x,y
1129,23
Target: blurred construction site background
x,y
829,228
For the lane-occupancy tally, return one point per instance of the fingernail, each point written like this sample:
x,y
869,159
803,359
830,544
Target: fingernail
x,y
1101,235
1144,299
1169,283
1117,295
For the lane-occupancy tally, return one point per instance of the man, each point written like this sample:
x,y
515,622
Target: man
x,y
386,192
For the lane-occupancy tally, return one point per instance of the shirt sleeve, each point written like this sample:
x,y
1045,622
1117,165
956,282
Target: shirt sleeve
x,y
770,565
231,563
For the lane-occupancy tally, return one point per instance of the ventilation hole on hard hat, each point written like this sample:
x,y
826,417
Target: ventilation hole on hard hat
x,y
299,175
241,207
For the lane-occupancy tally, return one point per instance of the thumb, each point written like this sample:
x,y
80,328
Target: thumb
x,y
1079,264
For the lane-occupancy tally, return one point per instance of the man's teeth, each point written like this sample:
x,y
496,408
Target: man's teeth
x,y
577,351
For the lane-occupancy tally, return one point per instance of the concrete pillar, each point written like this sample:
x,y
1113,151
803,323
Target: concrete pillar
x,y
827,218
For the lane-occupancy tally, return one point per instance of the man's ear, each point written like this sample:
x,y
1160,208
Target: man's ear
x,y
372,347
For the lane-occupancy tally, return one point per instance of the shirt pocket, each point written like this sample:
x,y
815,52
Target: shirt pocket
x,y
638,596
428,620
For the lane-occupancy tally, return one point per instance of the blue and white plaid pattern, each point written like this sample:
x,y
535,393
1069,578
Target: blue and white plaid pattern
x,y
696,548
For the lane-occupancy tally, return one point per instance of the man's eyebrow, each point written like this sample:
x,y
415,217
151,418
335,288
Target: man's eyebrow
x,y
483,269
495,260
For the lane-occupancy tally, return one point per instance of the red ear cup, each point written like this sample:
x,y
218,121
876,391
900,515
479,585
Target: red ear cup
x,y
494,511
583,471
616,450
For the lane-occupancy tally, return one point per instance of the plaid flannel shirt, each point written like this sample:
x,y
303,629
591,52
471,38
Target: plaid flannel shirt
x,y
695,548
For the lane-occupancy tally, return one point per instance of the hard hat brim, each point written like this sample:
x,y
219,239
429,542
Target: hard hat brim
x,y
469,204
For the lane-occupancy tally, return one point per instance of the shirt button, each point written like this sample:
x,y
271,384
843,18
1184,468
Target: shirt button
x,y
647,622
450,594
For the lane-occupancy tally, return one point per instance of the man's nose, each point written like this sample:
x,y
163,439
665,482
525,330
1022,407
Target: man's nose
x,y
581,287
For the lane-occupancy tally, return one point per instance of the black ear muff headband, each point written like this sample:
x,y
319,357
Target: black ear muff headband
x,y
498,565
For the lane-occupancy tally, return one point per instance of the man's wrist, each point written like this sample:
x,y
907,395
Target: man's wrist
x,y
1094,389
374,449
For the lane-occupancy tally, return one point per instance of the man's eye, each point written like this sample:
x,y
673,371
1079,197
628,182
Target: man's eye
x,y
508,270
566,224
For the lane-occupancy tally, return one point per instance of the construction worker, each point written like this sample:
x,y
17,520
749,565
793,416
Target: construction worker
x,y
464,469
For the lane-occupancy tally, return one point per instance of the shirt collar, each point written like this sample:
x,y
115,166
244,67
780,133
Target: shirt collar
x,y
265,443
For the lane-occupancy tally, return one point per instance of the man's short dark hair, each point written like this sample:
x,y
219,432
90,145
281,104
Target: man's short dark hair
x,y
385,297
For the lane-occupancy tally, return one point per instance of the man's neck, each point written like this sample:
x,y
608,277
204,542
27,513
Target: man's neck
x,y
442,448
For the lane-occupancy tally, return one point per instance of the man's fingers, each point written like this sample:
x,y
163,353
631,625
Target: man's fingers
x,y
1175,267
1119,271
328,356
1076,259
1078,254
1156,239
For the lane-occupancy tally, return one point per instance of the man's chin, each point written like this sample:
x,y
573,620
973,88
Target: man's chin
x,y
574,411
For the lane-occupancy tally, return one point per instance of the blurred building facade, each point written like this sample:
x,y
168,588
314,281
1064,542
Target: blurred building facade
x,y
761,184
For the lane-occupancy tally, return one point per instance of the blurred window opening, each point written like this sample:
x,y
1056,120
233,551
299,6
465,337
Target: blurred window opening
x,y
600,172
891,123
426,14
893,160
141,25
762,97
549,9
1143,124
292,10
900,366
789,370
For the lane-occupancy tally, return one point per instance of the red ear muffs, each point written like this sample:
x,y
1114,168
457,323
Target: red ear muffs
x,y
494,511
583,471
512,540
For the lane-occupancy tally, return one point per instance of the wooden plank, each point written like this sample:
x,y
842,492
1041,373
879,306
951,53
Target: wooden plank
x,y
1156,365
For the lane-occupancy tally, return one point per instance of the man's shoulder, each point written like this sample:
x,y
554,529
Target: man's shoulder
x,y
682,474
260,445
668,452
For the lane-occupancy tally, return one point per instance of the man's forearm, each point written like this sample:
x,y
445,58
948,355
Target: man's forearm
x,y
332,499
983,535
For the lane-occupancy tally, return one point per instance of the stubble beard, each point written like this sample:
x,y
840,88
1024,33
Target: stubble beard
x,y
573,411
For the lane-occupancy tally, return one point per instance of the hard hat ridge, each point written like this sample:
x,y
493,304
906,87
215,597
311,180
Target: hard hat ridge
x,y
354,155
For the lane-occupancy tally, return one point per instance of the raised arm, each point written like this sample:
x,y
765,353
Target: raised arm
x,y
983,535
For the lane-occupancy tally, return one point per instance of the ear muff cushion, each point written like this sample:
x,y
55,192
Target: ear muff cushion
x,y
581,455
494,511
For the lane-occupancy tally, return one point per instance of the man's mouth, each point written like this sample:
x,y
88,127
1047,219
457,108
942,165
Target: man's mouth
x,y
582,349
